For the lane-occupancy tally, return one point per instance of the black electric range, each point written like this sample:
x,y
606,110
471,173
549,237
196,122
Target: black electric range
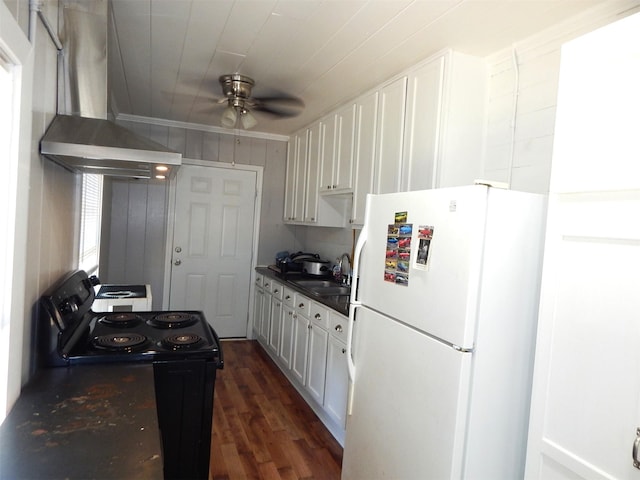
x,y
183,348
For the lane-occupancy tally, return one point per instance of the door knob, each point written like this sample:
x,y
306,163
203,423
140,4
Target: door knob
x,y
634,452
177,262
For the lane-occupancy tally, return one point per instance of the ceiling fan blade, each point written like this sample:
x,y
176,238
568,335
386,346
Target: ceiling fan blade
x,y
279,106
211,105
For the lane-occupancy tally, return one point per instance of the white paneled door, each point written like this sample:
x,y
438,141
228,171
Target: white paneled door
x,y
212,245
585,408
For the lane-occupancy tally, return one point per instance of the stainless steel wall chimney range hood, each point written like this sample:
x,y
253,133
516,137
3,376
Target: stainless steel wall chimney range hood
x,y
86,141
93,145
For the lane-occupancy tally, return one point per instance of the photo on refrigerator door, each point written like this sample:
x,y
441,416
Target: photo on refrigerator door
x,y
398,251
425,234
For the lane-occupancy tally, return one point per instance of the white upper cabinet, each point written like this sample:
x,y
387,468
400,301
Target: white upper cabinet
x,y
294,201
364,154
303,205
328,153
423,114
337,160
345,140
301,175
444,122
391,113
421,130
313,172
290,183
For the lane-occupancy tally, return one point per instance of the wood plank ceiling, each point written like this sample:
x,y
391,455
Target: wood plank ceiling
x,y
165,56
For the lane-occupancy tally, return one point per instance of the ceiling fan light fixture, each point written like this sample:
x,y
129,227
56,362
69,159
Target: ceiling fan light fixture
x,y
240,104
229,117
247,119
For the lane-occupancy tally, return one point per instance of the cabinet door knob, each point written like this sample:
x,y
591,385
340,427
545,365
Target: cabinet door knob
x,y
301,305
339,328
276,291
318,316
344,350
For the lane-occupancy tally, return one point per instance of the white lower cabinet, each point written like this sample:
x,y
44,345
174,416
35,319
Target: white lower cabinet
x,y
307,340
265,321
300,347
337,384
317,358
285,351
258,296
275,330
275,317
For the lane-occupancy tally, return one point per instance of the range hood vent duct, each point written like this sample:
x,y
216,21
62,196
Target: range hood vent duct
x,y
86,141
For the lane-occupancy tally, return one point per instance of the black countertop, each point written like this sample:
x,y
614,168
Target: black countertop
x,y
338,303
81,422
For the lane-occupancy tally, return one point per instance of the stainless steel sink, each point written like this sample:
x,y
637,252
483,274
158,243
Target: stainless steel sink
x,y
310,283
331,291
322,288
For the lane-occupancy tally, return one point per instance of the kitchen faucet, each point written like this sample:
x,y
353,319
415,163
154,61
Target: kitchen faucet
x,y
345,280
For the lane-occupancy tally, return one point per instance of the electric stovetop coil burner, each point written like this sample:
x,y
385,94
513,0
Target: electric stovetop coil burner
x,y
173,320
120,342
123,319
183,348
182,341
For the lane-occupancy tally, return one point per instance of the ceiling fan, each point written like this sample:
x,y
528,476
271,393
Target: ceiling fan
x,y
240,103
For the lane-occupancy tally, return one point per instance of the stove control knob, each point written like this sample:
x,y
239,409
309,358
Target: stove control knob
x,y
69,306
177,262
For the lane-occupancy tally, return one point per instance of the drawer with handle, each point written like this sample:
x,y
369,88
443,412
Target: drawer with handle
x,y
289,297
277,290
320,315
338,326
302,305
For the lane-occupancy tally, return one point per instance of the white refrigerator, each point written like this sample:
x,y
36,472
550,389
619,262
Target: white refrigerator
x,y
441,334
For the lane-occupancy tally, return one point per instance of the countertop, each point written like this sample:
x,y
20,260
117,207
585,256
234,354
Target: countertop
x,y
81,422
337,303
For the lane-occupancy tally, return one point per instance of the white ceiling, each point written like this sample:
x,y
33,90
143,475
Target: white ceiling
x,y
167,55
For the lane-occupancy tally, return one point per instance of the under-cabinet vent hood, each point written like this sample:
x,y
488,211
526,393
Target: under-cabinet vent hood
x,y
93,145
80,137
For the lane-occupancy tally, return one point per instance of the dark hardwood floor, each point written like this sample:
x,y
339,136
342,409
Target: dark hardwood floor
x,y
262,428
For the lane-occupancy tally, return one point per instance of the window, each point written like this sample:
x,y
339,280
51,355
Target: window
x,y
90,223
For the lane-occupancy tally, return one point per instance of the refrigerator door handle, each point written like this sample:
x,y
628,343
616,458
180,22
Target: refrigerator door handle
x,y
351,367
355,271
354,304
634,452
